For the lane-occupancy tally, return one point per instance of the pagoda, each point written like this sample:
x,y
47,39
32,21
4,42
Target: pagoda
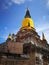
x,y
25,47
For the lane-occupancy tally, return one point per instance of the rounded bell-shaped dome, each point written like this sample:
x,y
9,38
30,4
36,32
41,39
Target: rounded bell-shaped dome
x,y
27,23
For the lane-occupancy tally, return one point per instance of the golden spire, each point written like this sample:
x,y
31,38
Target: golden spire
x,y
9,37
43,36
27,22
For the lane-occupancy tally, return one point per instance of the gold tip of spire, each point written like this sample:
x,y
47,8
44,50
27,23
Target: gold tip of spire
x,y
9,36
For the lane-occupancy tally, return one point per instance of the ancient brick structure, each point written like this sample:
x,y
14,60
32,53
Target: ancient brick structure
x,y
26,47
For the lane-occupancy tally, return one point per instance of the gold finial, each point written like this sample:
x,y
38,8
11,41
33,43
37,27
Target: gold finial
x,y
9,36
43,36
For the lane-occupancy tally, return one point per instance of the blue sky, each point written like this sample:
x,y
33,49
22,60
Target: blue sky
x,y
12,13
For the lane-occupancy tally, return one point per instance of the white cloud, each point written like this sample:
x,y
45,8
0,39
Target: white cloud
x,y
6,3
4,6
47,3
43,27
9,3
18,1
